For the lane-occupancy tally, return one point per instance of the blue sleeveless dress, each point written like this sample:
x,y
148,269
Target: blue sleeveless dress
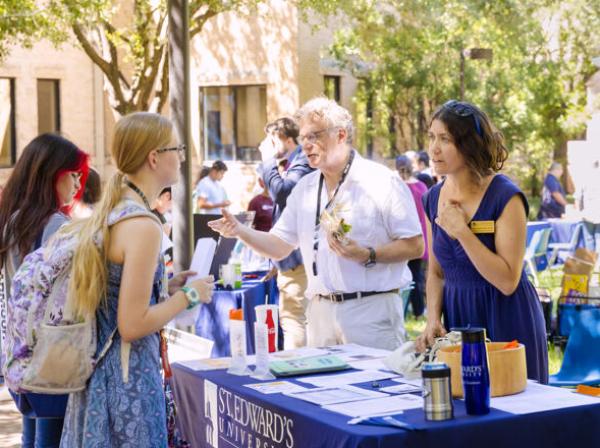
x,y
110,413
469,299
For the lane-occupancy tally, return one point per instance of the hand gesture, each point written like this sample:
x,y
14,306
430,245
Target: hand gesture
x,y
427,338
453,219
228,226
347,248
267,148
178,280
205,287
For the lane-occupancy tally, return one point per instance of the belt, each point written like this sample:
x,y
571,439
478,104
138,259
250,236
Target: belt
x,y
338,297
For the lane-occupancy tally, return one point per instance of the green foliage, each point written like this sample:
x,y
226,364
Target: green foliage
x,y
408,53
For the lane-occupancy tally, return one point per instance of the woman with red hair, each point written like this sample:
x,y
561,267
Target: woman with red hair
x,y
50,173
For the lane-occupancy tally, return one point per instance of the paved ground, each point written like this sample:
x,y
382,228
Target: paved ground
x,y
10,421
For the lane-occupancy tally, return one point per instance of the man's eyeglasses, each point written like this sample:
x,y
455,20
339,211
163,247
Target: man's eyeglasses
x,y
312,137
464,110
179,148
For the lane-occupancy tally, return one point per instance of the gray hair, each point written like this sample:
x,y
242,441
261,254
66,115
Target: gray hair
x,y
555,166
325,109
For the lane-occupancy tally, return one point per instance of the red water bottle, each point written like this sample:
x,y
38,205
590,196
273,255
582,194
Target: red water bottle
x,y
270,330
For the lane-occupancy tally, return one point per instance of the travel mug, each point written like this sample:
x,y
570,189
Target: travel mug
x,y
475,371
437,392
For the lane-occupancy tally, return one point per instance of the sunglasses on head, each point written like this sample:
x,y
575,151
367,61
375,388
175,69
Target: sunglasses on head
x,y
464,110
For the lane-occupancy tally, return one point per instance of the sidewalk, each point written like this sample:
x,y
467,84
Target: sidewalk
x,y
10,421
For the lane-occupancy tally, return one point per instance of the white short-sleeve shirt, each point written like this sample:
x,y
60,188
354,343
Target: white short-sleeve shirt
x,y
379,207
213,192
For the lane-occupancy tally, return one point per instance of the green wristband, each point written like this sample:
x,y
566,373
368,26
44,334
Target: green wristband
x,y
192,296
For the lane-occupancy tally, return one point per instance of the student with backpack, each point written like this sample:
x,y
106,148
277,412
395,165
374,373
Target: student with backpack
x,y
48,175
122,283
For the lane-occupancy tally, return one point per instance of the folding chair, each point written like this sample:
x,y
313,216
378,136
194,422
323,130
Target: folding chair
x,y
536,253
565,247
581,364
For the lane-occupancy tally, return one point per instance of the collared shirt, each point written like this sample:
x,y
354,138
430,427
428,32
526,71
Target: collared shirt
x,y
379,207
280,187
213,192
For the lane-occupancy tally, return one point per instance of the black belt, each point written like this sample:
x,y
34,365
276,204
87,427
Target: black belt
x,y
342,296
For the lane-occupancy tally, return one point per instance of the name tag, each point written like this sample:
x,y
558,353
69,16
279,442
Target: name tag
x,y
482,226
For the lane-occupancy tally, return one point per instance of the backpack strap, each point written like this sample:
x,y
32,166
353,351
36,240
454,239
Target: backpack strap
x,y
126,209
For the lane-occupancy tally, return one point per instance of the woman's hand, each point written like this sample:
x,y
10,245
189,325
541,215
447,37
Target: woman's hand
x,y
178,280
453,219
348,248
205,287
228,225
427,338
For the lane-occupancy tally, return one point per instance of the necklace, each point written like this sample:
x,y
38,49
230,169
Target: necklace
x,y
139,192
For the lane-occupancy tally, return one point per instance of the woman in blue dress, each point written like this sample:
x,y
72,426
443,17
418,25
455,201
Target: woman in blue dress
x,y
477,223
122,284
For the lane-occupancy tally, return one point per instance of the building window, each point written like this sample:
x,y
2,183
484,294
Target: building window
x,y
332,87
48,91
232,121
8,150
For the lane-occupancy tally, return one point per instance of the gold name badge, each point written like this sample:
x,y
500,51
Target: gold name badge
x,y
482,226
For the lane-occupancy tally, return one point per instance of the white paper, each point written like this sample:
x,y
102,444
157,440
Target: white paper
x,y
276,387
537,398
333,395
184,346
414,381
368,364
347,378
166,243
207,364
377,406
304,352
401,389
202,259
355,352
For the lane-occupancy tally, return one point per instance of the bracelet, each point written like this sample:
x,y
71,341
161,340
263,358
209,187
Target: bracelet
x,y
192,296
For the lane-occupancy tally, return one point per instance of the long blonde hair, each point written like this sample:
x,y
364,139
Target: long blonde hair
x,y
135,136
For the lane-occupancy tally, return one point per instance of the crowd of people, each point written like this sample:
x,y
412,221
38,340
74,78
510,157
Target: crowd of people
x,y
346,236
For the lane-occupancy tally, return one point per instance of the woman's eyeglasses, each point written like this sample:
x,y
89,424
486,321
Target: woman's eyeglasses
x,y
464,110
179,148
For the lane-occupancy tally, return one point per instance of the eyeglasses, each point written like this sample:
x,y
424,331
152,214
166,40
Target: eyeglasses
x,y
464,110
312,137
179,148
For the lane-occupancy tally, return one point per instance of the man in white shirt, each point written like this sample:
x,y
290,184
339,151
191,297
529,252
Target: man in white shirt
x,y
354,274
209,193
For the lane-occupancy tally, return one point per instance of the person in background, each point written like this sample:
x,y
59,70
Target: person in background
x,y
477,226
122,284
553,195
356,225
210,196
281,142
50,172
83,207
423,171
417,266
162,209
262,206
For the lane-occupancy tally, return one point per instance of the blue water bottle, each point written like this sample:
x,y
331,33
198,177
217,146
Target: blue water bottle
x,y
475,371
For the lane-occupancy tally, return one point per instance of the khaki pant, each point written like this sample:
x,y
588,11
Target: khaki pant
x,y
292,306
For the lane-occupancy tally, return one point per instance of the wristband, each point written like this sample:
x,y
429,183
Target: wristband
x,y
192,296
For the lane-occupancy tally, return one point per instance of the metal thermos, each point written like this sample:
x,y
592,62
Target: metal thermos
x,y
437,392
475,371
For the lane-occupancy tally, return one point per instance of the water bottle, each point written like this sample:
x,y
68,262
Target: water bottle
x,y
437,391
475,371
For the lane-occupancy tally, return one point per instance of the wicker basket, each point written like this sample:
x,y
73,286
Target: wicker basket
x,y
508,369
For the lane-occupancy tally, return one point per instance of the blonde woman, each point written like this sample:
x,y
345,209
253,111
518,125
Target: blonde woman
x,y
122,283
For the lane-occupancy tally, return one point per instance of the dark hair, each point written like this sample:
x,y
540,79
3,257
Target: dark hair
x,y
474,135
423,157
93,188
285,128
165,190
30,197
218,165
404,163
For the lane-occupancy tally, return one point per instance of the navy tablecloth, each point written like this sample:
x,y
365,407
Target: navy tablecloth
x,y
213,319
216,410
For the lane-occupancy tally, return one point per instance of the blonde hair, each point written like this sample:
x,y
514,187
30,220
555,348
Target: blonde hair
x,y
324,109
136,135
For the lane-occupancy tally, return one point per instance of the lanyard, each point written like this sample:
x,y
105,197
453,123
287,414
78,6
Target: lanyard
x,y
139,192
318,215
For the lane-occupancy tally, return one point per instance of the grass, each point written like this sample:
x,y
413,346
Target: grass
x,y
549,280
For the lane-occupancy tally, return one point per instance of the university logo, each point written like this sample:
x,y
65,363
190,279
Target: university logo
x,y
211,413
